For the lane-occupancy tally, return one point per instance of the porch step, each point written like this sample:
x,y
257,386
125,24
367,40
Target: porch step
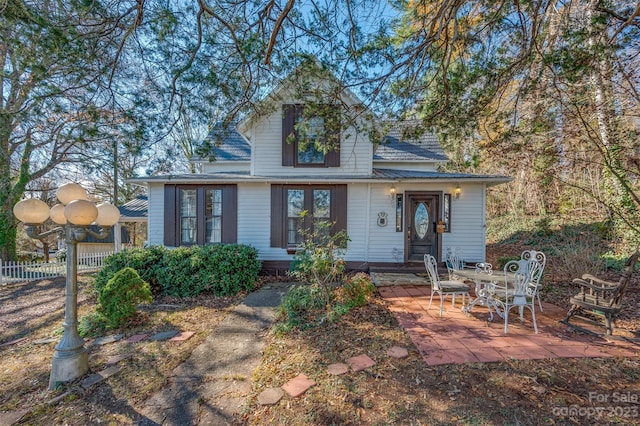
x,y
382,279
403,268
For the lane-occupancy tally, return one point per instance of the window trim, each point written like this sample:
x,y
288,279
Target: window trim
x,y
279,210
290,113
228,219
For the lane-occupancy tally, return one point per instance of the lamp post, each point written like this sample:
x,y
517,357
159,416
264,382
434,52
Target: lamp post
x,y
74,215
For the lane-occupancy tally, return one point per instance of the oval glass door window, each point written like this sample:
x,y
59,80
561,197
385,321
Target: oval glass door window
x,y
421,220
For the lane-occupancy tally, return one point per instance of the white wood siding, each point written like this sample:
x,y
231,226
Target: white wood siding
x,y
155,228
357,216
385,244
467,222
254,220
355,152
226,166
369,242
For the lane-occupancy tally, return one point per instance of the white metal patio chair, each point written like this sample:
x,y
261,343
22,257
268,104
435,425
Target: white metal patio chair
x,y
519,293
455,262
443,288
536,273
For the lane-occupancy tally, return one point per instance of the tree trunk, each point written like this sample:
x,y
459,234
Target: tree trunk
x,y
8,250
603,103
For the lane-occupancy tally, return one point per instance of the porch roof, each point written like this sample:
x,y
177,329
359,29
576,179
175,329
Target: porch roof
x,y
377,176
134,210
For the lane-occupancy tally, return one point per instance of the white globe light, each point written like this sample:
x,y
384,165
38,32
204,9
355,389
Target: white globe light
x,y
31,211
108,214
71,191
57,214
81,212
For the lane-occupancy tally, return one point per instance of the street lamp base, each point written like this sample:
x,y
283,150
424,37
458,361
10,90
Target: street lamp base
x,y
66,367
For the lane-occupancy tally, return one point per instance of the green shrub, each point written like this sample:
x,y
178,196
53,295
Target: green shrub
x,y
305,305
146,261
93,324
320,258
219,269
119,298
356,291
298,307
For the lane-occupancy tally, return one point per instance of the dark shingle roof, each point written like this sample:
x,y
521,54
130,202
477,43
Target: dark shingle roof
x,y
228,145
136,208
404,143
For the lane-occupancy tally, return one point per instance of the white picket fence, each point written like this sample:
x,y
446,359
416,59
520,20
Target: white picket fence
x,y
12,272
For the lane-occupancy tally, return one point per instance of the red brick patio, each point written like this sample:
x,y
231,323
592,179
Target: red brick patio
x,y
457,338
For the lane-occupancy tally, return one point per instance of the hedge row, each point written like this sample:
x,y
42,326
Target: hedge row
x,y
218,269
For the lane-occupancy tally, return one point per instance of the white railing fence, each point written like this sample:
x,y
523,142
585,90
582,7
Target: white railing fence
x,y
12,272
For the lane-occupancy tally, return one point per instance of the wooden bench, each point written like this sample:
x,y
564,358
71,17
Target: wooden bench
x,y
599,297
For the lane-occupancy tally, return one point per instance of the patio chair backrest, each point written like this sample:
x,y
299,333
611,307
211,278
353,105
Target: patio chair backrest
x,y
431,266
521,290
454,262
524,270
513,266
540,258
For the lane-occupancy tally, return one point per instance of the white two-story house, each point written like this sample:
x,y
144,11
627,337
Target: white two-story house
x,y
384,190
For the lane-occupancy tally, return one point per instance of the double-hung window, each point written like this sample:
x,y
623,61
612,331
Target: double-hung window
x,y
310,135
200,214
324,208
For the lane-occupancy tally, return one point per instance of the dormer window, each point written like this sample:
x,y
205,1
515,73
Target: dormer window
x,y
310,136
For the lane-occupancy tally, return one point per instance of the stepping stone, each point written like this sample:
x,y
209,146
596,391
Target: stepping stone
x,y
13,342
360,362
109,371
107,339
298,385
397,352
165,335
12,417
92,380
270,396
185,335
117,358
338,369
45,341
136,338
100,376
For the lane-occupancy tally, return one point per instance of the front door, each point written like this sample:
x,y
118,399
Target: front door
x,y
422,216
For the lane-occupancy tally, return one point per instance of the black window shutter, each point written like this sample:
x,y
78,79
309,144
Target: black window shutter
x,y
278,209
332,158
171,221
339,208
229,214
288,145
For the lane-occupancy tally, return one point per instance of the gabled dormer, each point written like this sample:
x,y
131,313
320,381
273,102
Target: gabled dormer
x,y
309,124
